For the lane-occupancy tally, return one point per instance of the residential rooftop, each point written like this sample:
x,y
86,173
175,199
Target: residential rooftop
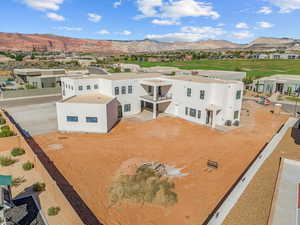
x,y
282,77
89,99
200,79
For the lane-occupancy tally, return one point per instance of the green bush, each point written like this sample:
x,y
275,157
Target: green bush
x,y
53,211
7,161
28,166
5,128
6,132
2,120
17,152
18,181
39,187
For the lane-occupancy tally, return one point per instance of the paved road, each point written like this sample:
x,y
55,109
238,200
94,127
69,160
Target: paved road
x,y
28,101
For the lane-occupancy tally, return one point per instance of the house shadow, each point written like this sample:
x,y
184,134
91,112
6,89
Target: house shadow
x,y
77,203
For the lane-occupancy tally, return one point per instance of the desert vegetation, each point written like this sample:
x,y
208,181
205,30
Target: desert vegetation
x,y
7,161
17,152
39,187
28,166
145,186
53,211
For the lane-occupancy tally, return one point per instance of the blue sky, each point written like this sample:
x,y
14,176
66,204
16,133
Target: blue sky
x,y
163,20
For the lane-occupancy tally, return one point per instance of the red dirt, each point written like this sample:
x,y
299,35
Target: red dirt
x,y
90,162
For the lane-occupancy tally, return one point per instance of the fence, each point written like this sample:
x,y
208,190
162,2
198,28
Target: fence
x,y
74,210
30,92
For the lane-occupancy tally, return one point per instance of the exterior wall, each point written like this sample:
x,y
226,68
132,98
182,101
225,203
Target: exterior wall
x,y
90,110
40,82
112,114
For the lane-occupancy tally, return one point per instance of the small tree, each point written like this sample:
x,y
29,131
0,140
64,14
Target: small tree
x,y
39,187
17,152
53,211
28,166
7,161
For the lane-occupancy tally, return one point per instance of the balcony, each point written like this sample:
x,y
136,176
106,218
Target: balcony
x,y
158,99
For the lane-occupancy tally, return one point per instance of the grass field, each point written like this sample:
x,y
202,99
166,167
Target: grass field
x,y
254,68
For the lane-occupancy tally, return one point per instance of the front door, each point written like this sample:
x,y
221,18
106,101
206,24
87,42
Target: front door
x,y
279,87
120,111
208,117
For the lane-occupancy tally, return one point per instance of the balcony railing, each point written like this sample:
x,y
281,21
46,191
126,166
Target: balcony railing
x,y
159,97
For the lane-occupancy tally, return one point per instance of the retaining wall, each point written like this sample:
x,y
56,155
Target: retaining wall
x,y
30,92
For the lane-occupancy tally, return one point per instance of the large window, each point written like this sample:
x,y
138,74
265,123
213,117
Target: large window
x,y
202,94
88,87
96,86
193,112
189,92
72,118
238,95
130,89
127,107
123,90
91,119
117,91
236,115
80,88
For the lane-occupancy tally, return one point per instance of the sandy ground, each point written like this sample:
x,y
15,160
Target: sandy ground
x,y
90,162
255,203
30,177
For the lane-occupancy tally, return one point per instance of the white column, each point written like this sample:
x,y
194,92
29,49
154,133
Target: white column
x,y
155,93
213,119
154,110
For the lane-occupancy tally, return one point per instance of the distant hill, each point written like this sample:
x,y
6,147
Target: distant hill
x,y
49,42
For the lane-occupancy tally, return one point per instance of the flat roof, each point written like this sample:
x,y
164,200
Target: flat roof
x,y
37,70
286,197
89,99
200,79
121,76
282,77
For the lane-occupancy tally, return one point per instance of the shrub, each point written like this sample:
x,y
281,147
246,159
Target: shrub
x,y
2,120
18,181
39,187
5,128
6,161
6,132
236,123
53,211
17,152
28,166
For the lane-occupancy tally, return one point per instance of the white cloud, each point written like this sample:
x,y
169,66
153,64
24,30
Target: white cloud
x,y
286,6
265,25
220,25
103,32
188,34
125,32
117,3
265,10
165,22
95,18
175,9
55,17
44,5
242,26
242,35
68,28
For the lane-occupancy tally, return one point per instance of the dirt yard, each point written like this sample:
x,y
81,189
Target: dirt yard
x,y
91,163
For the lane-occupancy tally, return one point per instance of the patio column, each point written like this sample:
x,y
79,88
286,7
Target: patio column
x,y
155,93
213,119
154,110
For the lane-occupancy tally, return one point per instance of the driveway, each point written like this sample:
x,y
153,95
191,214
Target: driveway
x,y
36,119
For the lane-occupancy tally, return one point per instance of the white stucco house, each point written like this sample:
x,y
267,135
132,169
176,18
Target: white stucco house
x,y
95,103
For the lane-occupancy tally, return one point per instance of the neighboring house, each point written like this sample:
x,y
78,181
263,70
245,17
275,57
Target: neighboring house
x,y
283,84
218,74
284,56
40,78
260,56
95,103
127,67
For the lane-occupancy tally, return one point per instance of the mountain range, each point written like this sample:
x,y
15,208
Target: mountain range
x,y
49,42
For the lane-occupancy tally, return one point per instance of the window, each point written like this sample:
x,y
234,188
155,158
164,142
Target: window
x,y
127,108
91,119
72,118
123,90
96,86
193,112
202,94
88,87
130,89
236,115
80,88
189,92
186,111
238,95
199,114
117,91
149,89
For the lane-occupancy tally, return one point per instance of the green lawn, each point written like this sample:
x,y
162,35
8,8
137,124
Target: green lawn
x,y
254,68
293,99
